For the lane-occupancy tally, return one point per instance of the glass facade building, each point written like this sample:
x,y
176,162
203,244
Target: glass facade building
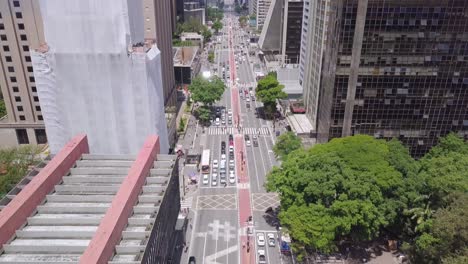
x,y
396,69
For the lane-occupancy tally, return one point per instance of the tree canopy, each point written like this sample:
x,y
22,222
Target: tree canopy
x,y
356,188
217,26
214,14
243,20
268,91
348,185
285,144
14,164
3,111
206,91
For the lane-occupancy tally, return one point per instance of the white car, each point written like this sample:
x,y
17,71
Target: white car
x,y
232,178
215,163
206,179
223,157
248,143
217,121
229,111
214,179
261,256
271,239
247,99
231,163
231,148
260,239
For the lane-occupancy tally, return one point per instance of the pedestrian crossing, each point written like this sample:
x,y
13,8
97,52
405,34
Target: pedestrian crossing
x,y
233,130
186,203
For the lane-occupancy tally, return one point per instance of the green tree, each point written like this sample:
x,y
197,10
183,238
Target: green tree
x,y
203,113
285,144
3,111
349,185
243,21
448,235
217,26
268,91
206,33
253,16
211,56
206,91
14,164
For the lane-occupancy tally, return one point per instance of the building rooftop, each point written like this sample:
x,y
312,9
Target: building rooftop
x,y
77,212
300,124
184,56
289,77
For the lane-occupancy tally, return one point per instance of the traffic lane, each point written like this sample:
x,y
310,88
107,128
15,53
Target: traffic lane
x,y
255,170
262,168
273,253
244,198
216,239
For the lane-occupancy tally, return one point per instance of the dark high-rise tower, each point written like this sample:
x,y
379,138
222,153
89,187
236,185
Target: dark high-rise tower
x,y
391,69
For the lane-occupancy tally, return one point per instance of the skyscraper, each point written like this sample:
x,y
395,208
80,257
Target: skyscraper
x,y
281,33
20,31
393,69
158,19
262,11
97,76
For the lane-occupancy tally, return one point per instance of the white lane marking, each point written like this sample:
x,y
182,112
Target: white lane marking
x,y
204,247
211,259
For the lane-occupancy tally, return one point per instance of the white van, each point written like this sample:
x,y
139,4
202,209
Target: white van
x,y
222,166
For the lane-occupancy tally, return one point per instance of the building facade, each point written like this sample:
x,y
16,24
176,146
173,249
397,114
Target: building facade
x,y
20,31
105,83
158,19
262,12
281,33
396,69
313,43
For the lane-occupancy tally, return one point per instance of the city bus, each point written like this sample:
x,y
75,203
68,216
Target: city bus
x,y
205,161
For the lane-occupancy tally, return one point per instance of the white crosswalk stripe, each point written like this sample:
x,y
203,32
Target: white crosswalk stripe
x,y
186,203
244,131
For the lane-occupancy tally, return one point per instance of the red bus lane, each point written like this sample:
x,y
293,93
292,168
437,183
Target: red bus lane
x,y
247,244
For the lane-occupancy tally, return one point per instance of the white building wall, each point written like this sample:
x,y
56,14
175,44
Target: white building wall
x,y
94,83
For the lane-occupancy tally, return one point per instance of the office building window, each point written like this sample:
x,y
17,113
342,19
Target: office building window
x,y
41,136
11,69
17,99
31,79
8,58
21,26
3,37
36,99
22,118
13,79
16,3
27,58
19,15
2,27
33,89
20,108
38,108
25,48
22,136
39,117
15,89
30,69
23,37
6,48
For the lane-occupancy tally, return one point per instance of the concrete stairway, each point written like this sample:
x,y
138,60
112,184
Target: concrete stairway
x,y
135,236
63,225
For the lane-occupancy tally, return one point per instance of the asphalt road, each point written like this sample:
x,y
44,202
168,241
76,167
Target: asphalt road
x,y
217,231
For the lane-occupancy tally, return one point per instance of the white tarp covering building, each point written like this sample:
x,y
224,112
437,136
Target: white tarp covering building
x,y
96,76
